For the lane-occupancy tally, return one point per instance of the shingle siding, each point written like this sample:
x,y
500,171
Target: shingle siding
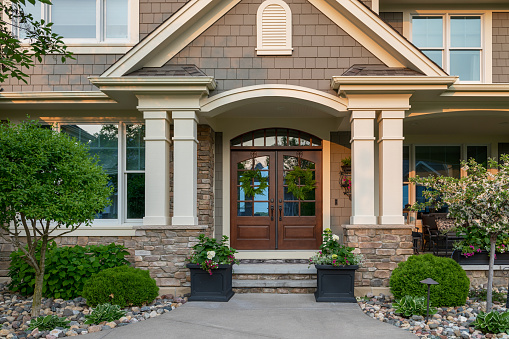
x,y
226,50
395,19
154,12
500,47
52,75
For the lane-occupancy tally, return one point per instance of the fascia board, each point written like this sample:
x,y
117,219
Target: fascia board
x,y
338,82
376,35
172,36
477,90
154,83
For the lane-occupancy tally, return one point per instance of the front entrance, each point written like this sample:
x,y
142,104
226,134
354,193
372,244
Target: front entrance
x,y
274,218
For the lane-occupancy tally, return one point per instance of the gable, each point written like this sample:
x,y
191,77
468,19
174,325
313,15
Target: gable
x,y
321,49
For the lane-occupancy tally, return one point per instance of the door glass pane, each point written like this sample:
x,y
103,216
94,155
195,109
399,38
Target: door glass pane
x,y
427,31
103,142
435,56
247,139
310,195
465,31
261,163
288,195
246,164
74,18
135,147
237,141
290,162
259,138
262,196
270,137
466,64
306,164
293,139
116,19
135,195
282,137
241,195
316,142
244,209
307,209
261,209
291,209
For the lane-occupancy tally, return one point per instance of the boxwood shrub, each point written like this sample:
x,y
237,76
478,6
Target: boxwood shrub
x,y
67,269
123,286
453,282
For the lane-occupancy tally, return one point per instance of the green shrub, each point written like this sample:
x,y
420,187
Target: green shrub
x,y
409,306
48,323
453,286
105,312
492,322
123,286
67,269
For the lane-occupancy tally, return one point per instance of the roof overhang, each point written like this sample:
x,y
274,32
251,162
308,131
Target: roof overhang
x,y
384,84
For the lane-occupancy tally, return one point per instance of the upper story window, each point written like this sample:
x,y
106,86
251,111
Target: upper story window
x,y
454,42
89,22
274,28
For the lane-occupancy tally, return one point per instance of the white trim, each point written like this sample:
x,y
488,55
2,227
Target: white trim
x,y
116,230
281,16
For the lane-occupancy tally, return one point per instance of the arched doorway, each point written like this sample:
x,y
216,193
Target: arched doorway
x,y
275,218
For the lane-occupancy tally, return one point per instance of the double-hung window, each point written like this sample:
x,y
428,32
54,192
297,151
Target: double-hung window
x,y
454,42
86,21
120,149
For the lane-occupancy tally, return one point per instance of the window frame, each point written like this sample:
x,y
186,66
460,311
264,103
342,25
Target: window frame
x,y
101,44
121,170
486,70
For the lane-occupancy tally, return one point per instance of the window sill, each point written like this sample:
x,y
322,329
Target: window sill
x,y
99,48
100,231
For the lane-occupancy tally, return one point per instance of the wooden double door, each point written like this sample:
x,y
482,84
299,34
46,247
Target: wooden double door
x,y
275,218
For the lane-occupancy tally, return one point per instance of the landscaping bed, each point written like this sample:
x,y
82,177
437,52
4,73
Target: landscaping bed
x,y
15,315
448,322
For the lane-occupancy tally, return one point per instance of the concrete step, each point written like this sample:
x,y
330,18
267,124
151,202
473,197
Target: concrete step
x,y
274,283
273,269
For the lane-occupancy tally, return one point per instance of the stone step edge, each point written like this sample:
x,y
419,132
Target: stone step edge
x,y
273,283
273,269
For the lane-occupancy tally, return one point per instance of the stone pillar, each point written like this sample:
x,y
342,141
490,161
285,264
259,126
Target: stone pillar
x,y
185,168
390,145
363,168
157,168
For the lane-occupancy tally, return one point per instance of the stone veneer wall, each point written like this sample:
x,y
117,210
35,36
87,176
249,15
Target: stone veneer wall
x,y
160,249
480,277
383,247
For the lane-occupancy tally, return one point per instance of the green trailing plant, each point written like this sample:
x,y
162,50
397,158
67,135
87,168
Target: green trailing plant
x,y
48,323
247,180
49,186
453,283
105,312
482,294
411,305
67,268
300,182
346,161
492,322
123,286
209,253
333,253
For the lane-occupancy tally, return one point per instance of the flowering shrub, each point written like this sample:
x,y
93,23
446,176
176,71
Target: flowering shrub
x,y
475,241
209,253
333,253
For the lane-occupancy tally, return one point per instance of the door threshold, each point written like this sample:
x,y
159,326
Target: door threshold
x,y
275,254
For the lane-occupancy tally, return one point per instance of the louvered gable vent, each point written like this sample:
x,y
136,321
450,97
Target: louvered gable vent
x,y
274,28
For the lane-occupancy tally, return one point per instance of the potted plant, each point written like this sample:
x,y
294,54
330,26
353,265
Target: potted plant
x,y
346,164
211,269
335,268
475,246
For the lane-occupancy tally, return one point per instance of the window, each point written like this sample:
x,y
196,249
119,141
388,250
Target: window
x,y
86,20
121,152
452,41
274,28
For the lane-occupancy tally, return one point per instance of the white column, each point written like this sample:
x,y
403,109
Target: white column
x,y
363,167
157,168
390,146
185,168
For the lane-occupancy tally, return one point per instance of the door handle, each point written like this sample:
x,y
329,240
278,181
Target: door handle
x,y
272,213
280,210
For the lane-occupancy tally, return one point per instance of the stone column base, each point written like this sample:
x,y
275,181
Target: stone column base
x,y
383,247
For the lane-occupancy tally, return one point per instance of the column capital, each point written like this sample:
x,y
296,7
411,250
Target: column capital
x,y
363,114
155,114
390,114
184,114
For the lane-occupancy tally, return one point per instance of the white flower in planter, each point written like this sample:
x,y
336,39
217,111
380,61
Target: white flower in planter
x,y
335,237
211,254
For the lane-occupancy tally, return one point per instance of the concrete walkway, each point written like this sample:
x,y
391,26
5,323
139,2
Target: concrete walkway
x,y
259,316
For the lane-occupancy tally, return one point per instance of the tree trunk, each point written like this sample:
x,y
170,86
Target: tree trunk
x,y
489,297
39,279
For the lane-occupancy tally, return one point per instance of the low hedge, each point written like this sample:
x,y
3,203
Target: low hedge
x,y
67,268
453,283
123,286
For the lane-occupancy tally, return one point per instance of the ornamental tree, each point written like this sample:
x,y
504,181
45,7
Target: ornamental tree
x,y
16,55
479,201
49,186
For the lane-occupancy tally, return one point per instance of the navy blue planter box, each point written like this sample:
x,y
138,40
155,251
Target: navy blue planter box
x,y
215,287
335,284
481,258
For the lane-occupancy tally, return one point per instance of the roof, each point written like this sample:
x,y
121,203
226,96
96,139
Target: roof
x,y
379,70
168,71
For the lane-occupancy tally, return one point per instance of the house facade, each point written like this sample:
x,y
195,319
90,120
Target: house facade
x,y
181,100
